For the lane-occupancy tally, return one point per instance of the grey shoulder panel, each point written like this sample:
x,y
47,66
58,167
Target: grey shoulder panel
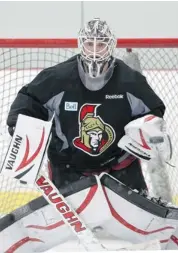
x,y
53,105
137,105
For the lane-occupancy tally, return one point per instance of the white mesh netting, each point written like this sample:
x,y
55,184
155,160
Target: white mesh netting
x,y
18,66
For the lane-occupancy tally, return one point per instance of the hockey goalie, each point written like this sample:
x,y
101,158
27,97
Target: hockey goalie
x,y
96,118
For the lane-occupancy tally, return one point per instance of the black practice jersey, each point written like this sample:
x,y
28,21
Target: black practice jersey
x,y
88,124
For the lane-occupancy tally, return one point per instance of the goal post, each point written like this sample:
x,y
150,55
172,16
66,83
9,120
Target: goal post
x,y
22,59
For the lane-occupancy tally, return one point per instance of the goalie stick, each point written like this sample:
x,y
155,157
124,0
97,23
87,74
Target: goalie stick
x,y
69,216
27,169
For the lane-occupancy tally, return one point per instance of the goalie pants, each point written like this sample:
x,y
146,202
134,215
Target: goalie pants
x,y
131,175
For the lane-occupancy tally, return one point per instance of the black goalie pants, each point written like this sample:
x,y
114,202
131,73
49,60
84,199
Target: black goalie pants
x,y
131,175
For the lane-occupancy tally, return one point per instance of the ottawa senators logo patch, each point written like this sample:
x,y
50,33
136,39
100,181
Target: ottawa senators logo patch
x,y
95,136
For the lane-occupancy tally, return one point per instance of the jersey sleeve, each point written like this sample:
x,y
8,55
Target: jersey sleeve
x,y
31,97
143,99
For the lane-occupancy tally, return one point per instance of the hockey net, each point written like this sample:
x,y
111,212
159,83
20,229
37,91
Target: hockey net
x,y
21,60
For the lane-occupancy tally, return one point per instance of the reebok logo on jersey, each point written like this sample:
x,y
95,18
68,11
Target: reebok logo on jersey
x,y
115,96
71,106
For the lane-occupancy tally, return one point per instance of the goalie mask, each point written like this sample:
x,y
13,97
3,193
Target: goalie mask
x,y
96,62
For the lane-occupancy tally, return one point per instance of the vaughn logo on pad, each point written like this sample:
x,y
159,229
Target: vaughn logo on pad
x,y
14,152
27,148
51,194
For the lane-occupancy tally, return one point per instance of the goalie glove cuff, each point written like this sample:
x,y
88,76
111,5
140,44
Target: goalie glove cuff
x,y
146,138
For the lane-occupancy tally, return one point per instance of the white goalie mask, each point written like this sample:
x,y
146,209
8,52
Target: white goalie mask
x,y
97,44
